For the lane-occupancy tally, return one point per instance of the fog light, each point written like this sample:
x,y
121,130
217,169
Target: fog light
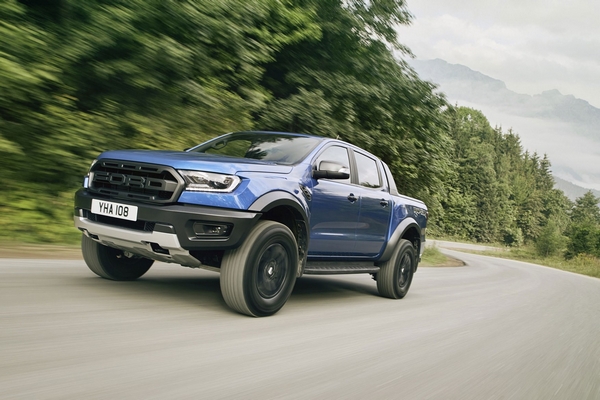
x,y
208,229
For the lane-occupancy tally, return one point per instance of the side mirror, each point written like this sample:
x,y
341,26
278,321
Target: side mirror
x,y
331,170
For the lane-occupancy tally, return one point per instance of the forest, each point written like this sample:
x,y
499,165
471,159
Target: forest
x,y
81,77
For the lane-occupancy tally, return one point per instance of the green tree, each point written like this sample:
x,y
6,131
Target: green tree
x,y
583,239
586,210
347,84
550,241
584,231
498,192
80,77
481,210
77,78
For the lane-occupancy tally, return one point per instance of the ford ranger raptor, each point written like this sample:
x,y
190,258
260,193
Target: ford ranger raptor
x,y
260,208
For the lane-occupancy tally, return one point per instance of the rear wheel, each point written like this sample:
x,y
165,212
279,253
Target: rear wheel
x,y
395,275
257,278
110,263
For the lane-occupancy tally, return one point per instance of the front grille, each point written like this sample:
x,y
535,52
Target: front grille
x,y
135,181
147,226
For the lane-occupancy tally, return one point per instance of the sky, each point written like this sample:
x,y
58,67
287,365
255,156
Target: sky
x,y
531,45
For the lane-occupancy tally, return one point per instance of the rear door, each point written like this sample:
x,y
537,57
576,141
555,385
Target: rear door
x,y
375,205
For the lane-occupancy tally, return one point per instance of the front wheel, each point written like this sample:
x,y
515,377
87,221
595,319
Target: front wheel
x,y
257,278
395,275
110,263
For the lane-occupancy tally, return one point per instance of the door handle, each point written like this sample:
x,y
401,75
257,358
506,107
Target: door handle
x,y
352,198
384,203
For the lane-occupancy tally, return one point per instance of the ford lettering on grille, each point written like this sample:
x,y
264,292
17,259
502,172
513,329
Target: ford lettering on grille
x,y
129,180
157,184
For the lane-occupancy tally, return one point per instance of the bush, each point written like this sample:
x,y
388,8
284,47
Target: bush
x,y
551,241
513,237
583,239
586,264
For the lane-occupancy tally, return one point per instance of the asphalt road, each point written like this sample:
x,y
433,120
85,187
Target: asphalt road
x,y
459,246
494,329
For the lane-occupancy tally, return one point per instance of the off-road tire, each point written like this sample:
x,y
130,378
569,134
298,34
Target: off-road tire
x,y
258,277
395,275
110,263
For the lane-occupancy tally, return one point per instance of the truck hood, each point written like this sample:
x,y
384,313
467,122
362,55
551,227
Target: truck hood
x,y
197,161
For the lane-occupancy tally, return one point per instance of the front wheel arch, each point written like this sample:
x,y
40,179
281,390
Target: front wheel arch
x,y
258,277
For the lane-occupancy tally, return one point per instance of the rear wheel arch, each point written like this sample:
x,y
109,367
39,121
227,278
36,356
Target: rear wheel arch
x,y
409,230
395,276
413,235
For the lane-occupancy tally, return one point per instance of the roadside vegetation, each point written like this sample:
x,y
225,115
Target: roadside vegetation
x,y
433,257
81,77
581,264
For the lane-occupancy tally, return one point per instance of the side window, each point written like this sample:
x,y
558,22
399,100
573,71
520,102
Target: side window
x,y
368,173
338,155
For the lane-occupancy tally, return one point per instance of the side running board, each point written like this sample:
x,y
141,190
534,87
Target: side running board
x,y
333,268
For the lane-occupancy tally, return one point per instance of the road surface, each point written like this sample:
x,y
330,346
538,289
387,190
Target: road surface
x,y
461,246
494,329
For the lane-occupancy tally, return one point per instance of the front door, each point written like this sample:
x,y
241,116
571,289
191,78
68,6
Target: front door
x,y
335,208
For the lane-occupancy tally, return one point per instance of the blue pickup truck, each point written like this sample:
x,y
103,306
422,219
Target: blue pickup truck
x,y
260,208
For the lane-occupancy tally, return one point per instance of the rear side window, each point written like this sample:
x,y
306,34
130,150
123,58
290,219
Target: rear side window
x,y
390,179
368,173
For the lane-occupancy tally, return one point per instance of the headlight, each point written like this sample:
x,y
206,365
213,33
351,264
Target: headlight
x,y
89,176
92,164
198,181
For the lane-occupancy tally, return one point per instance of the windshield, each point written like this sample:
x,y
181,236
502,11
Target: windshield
x,y
277,148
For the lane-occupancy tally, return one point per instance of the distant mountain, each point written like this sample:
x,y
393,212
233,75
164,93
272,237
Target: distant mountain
x,y
573,191
564,127
461,82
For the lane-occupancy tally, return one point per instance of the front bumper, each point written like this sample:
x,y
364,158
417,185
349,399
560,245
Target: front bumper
x,y
163,232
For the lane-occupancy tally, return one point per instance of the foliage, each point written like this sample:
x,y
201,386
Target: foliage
x,y
432,256
584,231
586,210
581,264
551,241
348,85
80,77
77,78
497,192
584,238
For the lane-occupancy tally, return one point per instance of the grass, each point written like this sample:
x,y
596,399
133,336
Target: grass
x,y
433,256
582,264
40,251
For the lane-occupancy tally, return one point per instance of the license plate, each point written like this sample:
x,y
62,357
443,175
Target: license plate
x,y
115,210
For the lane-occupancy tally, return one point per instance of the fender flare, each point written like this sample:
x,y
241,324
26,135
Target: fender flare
x,y
278,198
405,225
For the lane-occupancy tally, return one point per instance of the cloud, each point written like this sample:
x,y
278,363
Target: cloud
x,y
531,45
